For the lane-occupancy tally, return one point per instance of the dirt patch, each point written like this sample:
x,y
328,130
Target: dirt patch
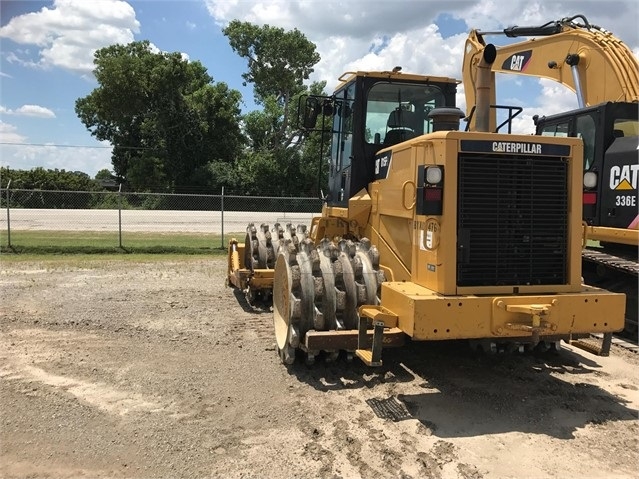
x,y
156,369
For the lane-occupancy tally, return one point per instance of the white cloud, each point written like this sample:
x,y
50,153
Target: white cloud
x,y
17,154
69,32
358,19
554,98
380,35
26,157
9,134
29,110
20,60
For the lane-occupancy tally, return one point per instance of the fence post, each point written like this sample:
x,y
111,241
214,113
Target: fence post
x,y
120,215
8,216
222,216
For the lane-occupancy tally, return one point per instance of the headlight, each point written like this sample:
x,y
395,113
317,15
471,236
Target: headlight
x,y
590,179
433,175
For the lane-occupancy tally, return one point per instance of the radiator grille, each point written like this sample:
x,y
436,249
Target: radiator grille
x,y
512,225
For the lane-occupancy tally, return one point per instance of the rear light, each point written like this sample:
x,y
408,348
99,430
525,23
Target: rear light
x,y
590,180
590,198
589,205
434,175
432,194
430,190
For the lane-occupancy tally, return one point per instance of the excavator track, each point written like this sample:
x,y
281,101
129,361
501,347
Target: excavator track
x,y
611,261
593,343
614,273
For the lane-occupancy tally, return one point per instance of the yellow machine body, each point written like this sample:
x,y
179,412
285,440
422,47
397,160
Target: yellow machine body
x,y
437,234
419,256
604,74
239,275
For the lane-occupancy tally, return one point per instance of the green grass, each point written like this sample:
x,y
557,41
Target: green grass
x,y
107,243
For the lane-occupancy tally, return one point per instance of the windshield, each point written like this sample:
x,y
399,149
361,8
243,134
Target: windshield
x,y
626,127
401,109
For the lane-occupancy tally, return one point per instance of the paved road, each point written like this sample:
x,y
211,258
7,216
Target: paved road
x,y
145,220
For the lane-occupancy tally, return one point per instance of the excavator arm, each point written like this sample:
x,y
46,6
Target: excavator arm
x,y
589,60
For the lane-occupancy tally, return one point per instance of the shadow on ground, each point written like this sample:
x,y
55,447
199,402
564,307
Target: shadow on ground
x,y
471,394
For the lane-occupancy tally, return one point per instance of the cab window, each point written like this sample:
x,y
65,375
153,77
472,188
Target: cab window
x,y
555,129
585,129
342,142
397,112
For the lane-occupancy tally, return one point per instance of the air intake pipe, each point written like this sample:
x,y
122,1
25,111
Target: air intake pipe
x,y
483,85
445,119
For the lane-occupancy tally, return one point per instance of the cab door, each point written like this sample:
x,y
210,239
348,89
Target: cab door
x,y
341,147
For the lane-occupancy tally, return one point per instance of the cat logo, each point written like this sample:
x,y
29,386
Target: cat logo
x,y
517,62
624,177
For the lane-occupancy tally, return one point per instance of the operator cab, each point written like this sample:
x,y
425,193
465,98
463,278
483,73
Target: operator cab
x,y
610,132
368,112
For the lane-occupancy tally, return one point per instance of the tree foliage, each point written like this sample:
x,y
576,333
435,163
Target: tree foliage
x,y
279,62
163,115
45,179
172,128
104,175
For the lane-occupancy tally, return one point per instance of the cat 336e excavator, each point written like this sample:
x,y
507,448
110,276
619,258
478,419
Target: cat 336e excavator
x,y
604,74
427,232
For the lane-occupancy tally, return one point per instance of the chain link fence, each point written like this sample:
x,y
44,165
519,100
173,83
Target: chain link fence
x,y
54,219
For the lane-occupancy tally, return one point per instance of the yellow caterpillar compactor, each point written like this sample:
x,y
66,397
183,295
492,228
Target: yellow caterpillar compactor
x,y
604,74
427,232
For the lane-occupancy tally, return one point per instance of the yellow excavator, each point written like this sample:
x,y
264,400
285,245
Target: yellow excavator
x,y
427,232
604,74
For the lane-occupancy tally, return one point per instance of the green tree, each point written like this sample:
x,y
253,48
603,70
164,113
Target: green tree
x,y
43,179
41,188
104,175
164,116
279,63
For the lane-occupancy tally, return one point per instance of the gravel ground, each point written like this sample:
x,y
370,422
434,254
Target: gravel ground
x,y
156,369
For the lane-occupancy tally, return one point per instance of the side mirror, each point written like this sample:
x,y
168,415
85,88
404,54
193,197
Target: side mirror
x,y
312,109
327,108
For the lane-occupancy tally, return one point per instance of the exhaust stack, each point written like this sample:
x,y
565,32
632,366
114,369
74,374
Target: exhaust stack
x,y
483,85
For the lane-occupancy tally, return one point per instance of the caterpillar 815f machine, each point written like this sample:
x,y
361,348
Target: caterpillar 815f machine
x,y
604,74
428,232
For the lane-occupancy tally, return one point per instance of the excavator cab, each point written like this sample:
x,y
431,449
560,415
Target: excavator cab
x,y
371,111
610,132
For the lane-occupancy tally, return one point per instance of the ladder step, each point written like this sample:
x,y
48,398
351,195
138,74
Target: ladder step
x,y
366,355
379,315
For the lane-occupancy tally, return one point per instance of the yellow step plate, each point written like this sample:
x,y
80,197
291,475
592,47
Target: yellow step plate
x,y
366,355
376,313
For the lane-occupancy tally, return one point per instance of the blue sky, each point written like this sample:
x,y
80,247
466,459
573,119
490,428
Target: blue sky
x,y
46,51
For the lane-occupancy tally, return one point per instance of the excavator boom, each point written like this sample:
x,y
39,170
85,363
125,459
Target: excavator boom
x,y
589,60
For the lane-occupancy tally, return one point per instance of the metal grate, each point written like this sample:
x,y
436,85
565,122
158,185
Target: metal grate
x,y
389,408
512,225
